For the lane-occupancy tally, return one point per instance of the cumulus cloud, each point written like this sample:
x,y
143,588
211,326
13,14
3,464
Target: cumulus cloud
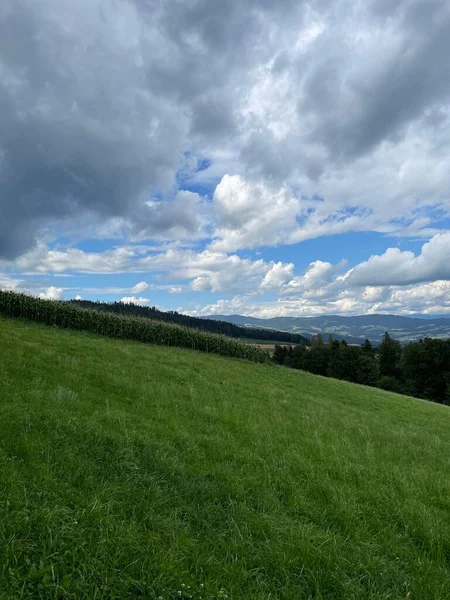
x,y
184,216
377,97
213,270
431,298
348,101
74,85
317,275
135,300
395,282
277,276
247,212
8,283
339,122
140,287
207,270
52,293
218,272
395,267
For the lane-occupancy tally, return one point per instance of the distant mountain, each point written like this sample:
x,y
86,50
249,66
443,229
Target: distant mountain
x,y
353,329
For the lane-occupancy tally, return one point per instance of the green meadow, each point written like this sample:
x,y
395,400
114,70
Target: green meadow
x,y
136,471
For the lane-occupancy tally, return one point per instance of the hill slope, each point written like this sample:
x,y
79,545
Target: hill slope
x,y
353,329
130,470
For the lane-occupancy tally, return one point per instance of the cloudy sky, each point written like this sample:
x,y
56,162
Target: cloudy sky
x,y
259,157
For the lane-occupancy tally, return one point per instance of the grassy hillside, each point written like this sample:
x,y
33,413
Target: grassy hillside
x,y
135,471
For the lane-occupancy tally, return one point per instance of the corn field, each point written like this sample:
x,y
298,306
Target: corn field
x,y
67,316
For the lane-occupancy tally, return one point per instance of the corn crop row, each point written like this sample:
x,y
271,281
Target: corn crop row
x,y
67,316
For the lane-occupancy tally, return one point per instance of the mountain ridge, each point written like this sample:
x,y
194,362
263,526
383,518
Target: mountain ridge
x,y
353,328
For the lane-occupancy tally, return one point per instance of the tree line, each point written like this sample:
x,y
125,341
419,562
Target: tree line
x,y
420,369
211,325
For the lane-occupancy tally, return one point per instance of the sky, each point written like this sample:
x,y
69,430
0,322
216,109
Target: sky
x,y
261,158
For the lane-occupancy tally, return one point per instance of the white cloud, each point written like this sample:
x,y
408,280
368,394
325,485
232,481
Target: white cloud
x,y
369,287
395,267
219,272
135,300
8,283
78,297
338,122
431,298
236,305
277,276
52,293
208,270
250,214
140,287
43,260
317,275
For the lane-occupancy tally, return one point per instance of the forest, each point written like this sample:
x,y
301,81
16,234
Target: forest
x,y
420,369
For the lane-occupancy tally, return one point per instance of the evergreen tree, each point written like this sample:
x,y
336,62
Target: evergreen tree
x,y
279,354
426,369
368,372
367,347
289,355
390,353
298,357
316,359
390,384
317,339
334,346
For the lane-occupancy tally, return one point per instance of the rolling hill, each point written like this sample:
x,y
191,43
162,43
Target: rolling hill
x,y
212,325
136,471
353,329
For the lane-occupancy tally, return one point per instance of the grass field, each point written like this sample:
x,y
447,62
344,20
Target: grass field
x,y
135,471
267,345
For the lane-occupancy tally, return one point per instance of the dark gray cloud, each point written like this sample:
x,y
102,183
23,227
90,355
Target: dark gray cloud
x,y
186,215
97,100
367,84
378,104
212,117
373,70
79,128
100,99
